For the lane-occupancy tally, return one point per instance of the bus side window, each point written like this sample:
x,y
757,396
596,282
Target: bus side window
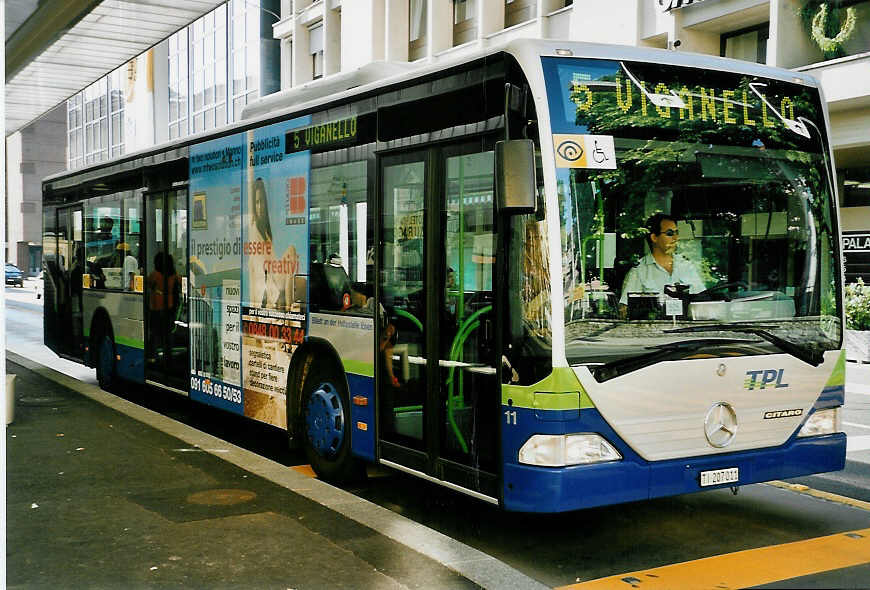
x,y
339,244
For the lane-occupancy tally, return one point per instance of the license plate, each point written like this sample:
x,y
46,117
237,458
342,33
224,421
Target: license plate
x,y
719,476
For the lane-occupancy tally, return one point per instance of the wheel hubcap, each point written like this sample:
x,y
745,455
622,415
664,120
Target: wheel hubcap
x,y
325,420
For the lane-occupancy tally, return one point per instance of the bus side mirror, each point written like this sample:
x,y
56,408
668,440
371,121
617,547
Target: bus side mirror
x,y
515,186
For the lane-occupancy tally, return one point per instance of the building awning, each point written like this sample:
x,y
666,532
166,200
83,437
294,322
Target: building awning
x,y
65,46
674,4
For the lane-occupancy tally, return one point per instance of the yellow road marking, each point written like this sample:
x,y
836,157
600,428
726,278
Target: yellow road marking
x,y
752,567
305,470
802,489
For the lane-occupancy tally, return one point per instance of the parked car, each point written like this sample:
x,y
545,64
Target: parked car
x,y
14,276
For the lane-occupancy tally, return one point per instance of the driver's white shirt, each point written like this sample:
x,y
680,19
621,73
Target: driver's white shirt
x,y
650,277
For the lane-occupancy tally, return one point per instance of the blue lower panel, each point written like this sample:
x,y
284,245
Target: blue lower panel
x,y
362,416
801,456
543,489
131,366
217,393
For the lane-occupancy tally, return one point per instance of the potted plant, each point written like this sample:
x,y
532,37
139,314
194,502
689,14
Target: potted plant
x,y
858,321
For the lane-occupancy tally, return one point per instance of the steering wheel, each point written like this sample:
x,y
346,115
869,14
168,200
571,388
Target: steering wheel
x,y
721,286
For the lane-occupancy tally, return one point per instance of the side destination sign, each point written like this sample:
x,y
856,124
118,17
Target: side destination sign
x,y
323,135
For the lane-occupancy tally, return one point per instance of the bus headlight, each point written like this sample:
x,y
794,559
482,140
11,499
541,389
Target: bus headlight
x,y
559,450
822,422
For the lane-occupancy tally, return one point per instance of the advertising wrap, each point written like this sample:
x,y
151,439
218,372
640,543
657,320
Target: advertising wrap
x,y
275,267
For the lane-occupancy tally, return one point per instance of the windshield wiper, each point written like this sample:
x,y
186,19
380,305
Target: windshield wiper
x,y
811,356
658,352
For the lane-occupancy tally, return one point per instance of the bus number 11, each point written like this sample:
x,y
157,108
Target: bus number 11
x,y
511,417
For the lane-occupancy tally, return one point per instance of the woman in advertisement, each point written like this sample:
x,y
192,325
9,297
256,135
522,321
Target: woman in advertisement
x,y
269,277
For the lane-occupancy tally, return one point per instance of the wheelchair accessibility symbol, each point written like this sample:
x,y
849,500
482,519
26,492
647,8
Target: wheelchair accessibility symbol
x,y
584,151
598,154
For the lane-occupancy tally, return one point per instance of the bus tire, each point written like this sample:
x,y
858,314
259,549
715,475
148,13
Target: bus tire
x,y
106,364
326,426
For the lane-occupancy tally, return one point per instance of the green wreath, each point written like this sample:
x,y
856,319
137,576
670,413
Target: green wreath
x,y
832,44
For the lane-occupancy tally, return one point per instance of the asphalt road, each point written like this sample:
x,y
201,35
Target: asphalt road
x,y
566,549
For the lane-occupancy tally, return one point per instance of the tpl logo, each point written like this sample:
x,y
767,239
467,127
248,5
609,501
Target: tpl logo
x,y
763,379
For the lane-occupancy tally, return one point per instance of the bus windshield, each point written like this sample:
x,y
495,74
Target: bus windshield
x,y
697,215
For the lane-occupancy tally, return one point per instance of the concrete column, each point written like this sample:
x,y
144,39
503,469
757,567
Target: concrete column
x,y
301,67
396,30
618,22
362,33
34,152
439,29
161,92
490,17
332,41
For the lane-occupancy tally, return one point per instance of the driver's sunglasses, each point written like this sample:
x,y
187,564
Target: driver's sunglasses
x,y
671,232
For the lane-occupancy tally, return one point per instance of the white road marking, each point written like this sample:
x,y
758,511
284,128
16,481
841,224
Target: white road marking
x,y
857,443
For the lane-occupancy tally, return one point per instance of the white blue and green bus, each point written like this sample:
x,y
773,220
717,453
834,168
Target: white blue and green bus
x,y
550,275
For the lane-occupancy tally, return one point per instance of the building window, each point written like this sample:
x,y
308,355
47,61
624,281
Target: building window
x,y
245,54
462,10
518,11
208,70
416,29
464,21
96,121
178,91
75,135
748,44
315,40
856,186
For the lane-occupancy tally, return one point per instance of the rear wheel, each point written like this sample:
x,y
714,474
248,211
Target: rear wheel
x,y
105,356
326,426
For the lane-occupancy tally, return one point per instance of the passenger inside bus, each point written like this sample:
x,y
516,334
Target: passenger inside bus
x,y
661,267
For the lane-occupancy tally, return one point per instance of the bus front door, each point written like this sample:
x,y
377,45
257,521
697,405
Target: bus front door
x,y
167,358
437,384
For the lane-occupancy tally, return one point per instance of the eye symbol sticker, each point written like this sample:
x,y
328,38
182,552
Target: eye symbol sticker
x,y
570,150
574,150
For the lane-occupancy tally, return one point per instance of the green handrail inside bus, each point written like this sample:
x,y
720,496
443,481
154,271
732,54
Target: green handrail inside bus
x,y
410,316
453,401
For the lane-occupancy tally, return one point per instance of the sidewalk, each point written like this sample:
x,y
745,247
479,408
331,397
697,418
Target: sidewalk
x,y
99,498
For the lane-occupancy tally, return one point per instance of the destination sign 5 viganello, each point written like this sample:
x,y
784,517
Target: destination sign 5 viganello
x,y
735,106
330,134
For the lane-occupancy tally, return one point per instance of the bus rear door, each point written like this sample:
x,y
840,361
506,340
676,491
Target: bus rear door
x,y
167,339
68,269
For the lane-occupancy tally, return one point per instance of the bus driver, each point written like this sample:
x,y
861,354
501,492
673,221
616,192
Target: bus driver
x,y
662,266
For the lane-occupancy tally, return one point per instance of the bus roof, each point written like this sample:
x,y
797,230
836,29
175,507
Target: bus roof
x,y
369,78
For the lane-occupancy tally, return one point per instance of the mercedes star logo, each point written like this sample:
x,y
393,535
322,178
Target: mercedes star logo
x,y
720,425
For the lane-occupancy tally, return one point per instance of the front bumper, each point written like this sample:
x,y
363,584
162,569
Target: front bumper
x,y
541,489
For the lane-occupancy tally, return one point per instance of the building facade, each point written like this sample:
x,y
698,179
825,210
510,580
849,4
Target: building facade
x,y
327,37
203,75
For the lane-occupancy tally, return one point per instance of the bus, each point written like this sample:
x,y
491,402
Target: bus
x,y
550,275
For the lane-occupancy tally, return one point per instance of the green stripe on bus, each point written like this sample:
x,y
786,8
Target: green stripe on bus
x,y
560,390
129,342
359,368
838,376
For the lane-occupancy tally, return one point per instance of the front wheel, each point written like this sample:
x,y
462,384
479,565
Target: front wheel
x,y
106,374
326,426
